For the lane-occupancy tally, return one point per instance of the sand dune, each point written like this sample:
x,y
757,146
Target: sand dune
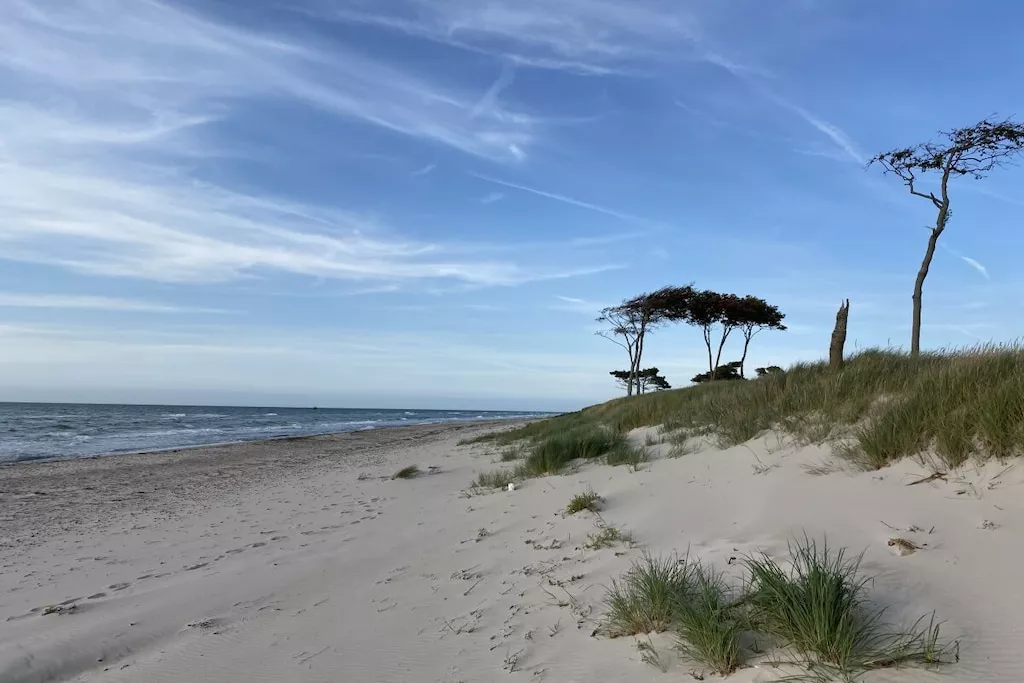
x,y
304,561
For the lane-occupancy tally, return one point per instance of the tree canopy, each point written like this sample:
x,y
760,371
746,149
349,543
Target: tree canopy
x,y
648,379
629,323
729,371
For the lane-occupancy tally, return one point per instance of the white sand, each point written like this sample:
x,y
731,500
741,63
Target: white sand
x,y
276,562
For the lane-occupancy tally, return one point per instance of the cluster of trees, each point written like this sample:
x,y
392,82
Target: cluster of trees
x,y
717,315
648,379
970,152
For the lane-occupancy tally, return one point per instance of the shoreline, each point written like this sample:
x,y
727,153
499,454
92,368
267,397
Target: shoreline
x,y
305,561
283,437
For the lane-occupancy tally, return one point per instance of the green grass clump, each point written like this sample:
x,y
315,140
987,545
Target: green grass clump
x,y
886,405
708,623
553,453
588,500
495,479
513,453
661,594
607,537
819,610
407,472
646,598
631,456
535,431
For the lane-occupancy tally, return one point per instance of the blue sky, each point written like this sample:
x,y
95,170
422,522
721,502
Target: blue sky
x,y
425,202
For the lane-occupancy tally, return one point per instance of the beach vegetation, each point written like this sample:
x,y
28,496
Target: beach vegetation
x,y
588,500
645,599
815,614
552,453
883,406
607,537
708,624
407,472
626,454
495,479
819,609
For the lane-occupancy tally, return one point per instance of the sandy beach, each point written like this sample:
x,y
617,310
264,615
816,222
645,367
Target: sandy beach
x,y
302,560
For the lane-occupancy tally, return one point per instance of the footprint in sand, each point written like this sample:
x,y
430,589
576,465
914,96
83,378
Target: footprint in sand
x,y
96,596
119,586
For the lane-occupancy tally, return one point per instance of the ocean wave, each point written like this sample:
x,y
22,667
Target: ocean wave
x,y
101,430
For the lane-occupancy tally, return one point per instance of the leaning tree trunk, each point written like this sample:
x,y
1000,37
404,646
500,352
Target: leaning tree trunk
x,y
922,273
835,351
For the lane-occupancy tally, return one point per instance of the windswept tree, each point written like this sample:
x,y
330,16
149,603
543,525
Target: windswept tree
x,y
718,316
722,372
972,152
648,379
628,325
752,315
706,310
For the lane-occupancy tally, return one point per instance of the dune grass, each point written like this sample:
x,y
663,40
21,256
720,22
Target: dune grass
x,y
708,624
645,599
588,500
624,454
552,453
495,479
407,472
607,537
819,610
673,593
884,406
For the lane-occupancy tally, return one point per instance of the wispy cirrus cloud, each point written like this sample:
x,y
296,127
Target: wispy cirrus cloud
x,y
596,37
973,263
839,139
150,59
108,102
94,303
977,266
424,170
585,36
589,206
574,304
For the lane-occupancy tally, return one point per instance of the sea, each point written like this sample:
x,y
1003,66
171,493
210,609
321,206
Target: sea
x,y
51,431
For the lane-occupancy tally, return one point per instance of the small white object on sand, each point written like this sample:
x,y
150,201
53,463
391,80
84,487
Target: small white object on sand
x,y
511,487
